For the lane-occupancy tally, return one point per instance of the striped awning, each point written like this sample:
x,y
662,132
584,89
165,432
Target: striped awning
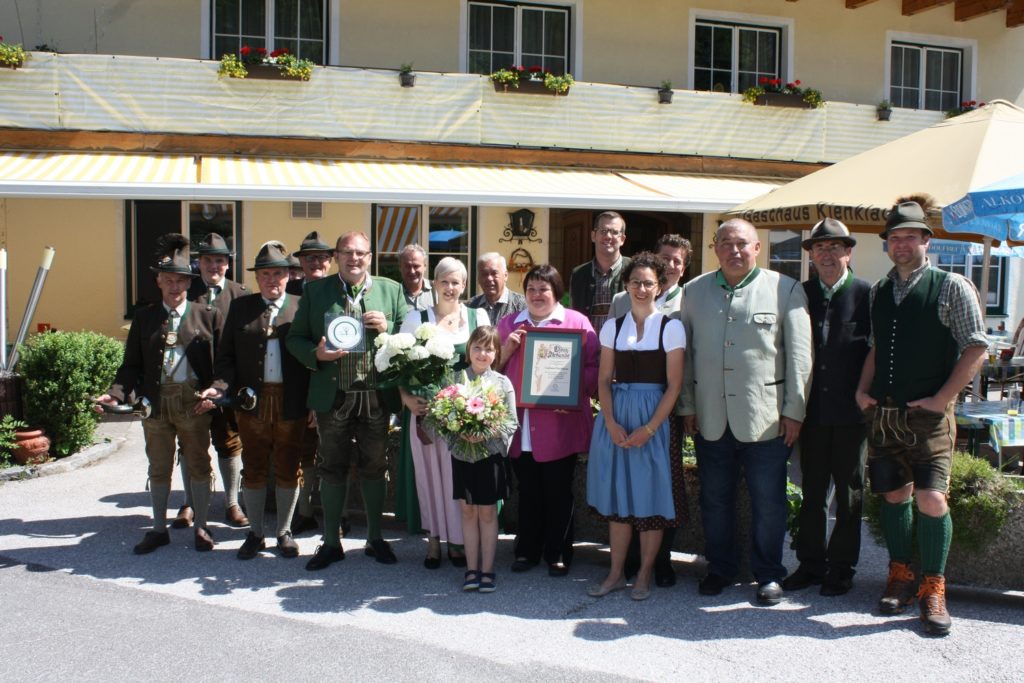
x,y
232,178
95,175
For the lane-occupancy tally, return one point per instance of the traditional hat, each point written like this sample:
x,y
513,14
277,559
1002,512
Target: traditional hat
x,y
213,245
312,243
272,255
173,255
829,229
293,262
906,215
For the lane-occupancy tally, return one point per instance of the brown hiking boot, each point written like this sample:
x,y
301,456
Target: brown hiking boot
x,y
932,600
899,589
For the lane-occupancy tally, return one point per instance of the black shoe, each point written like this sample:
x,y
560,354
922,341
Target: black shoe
x,y
252,546
837,582
432,562
769,593
558,569
456,560
713,584
800,579
302,524
287,546
522,564
664,574
324,557
151,541
379,549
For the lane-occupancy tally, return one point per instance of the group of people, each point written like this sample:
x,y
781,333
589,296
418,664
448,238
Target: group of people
x,y
749,362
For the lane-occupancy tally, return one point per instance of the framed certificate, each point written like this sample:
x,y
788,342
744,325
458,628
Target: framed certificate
x,y
344,333
552,363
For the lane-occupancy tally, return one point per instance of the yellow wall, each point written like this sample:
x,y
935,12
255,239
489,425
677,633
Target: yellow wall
x,y
492,221
85,287
387,34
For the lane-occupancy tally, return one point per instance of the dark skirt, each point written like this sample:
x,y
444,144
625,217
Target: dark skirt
x,y
484,482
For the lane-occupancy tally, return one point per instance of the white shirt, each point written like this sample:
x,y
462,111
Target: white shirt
x,y
175,360
272,359
413,319
674,336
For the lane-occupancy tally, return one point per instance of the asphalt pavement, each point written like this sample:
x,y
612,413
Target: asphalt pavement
x,y
75,603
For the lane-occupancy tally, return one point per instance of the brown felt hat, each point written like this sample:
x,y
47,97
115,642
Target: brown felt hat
x,y
272,255
312,243
213,245
906,215
829,229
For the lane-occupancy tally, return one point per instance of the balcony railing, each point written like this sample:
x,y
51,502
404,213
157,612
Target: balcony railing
x,y
158,95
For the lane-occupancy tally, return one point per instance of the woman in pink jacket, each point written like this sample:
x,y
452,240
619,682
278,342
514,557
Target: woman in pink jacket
x,y
544,450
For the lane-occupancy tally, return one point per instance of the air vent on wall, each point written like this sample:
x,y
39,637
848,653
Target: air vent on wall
x,y
307,210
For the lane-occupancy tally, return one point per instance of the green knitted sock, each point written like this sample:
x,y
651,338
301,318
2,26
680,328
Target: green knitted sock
x,y
373,499
332,497
933,537
898,529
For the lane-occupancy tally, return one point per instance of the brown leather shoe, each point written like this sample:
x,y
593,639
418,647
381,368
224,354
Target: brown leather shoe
x,y
899,589
932,601
204,541
151,541
287,546
235,517
184,518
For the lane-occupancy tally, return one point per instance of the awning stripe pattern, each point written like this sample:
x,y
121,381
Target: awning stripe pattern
x,y
397,226
90,174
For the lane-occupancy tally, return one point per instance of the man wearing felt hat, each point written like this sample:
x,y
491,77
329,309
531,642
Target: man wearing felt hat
x,y
832,440
251,354
213,290
314,257
928,340
167,357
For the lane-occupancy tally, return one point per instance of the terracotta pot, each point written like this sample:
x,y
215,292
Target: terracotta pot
x,y
33,446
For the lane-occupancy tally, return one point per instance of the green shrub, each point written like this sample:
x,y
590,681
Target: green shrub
x,y
63,372
7,441
980,500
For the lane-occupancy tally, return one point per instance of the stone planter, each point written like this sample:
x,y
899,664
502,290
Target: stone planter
x,y
33,446
997,565
778,99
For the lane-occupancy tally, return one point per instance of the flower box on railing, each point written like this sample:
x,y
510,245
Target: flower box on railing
x,y
526,87
778,99
268,72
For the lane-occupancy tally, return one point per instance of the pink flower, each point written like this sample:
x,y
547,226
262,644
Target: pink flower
x,y
475,406
448,392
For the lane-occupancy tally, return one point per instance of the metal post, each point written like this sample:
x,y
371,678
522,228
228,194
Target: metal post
x,y
3,311
30,307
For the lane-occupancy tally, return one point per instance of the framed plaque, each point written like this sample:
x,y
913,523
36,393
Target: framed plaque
x,y
344,333
552,363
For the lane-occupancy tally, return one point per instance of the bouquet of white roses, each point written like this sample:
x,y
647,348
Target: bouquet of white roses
x,y
413,360
475,410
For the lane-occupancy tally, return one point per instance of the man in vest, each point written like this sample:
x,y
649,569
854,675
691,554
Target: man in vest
x,y
350,411
593,284
214,291
495,298
251,355
167,357
833,437
928,341
748,367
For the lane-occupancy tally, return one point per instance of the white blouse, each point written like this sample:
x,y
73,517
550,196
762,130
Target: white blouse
x,y
413,319
673,338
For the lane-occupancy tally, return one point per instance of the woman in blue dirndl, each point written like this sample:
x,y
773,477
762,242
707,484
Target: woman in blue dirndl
x,y
629,474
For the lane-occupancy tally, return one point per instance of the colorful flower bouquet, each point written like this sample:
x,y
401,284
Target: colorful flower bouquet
x,y
776,85
417,361
290,66
475,410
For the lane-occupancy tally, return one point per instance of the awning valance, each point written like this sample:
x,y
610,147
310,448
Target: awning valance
x,y
229,178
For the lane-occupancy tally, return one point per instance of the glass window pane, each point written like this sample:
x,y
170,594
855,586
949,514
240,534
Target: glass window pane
x,y
480,63
896,58
311,19
555,64
449,230
768,52
555,43
226,13
479,27
533,31
702,47
254,18
289,44
503,29
702,79
933,70
286,18
226,45
721,54
748,50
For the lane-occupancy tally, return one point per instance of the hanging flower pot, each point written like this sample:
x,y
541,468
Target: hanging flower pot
x,y
32,446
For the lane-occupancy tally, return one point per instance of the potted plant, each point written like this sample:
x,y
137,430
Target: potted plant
x,y
255,62
665,92
884,110
11,56
534,80
8,438
558,84
965,106
405,75
506,78
775,93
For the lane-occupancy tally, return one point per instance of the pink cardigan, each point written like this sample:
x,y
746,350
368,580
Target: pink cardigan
x,y
556,435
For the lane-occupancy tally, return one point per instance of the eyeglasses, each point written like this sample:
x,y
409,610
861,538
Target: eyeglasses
x,y
608,232
643,284
316,257
353,252
828,248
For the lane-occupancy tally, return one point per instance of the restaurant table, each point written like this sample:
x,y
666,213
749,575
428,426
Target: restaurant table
x,y
1003,430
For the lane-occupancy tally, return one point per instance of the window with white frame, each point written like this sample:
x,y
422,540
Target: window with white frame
x,y
785,254
926,76
300,26
972,266
440,230
503,34
731,57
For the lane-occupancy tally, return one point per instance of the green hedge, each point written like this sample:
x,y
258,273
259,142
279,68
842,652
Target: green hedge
x,y
980,500
63,372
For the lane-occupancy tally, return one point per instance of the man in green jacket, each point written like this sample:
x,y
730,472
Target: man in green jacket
x,y
343,390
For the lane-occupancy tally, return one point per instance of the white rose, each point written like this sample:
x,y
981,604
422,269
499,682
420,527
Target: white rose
x,y
402,340
381,339
382,360
418,353
426,331
441,348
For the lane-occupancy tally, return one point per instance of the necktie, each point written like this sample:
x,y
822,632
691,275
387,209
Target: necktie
x,y
171,349
272,312
214,291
